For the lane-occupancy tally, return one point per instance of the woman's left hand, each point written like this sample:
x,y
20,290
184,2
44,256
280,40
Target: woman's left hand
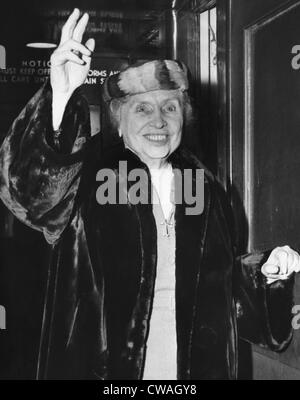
x,y
282,262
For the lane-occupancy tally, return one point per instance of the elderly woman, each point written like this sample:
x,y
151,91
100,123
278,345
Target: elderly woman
x,y
136,290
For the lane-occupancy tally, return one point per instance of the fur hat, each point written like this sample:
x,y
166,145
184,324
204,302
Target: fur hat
x,y
146,77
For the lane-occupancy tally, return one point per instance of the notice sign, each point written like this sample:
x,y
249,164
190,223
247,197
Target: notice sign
x,y
96,76
29,72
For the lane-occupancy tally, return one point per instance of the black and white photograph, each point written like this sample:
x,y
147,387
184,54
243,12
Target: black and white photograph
x,y
150,193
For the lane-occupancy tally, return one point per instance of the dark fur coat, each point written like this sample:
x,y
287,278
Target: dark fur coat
x,y
102,274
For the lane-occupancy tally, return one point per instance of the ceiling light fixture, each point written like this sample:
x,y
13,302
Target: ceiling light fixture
x,y
41,45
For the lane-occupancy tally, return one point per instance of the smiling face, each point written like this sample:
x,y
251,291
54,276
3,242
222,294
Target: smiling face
x,y
151,124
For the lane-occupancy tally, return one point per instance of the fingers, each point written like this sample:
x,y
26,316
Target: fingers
x,y
270,269
62,57
90,44
283,259
74,29
292,261
72,45
67,29
277,257
80,27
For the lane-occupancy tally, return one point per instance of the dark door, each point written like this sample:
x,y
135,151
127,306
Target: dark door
x,y
260,78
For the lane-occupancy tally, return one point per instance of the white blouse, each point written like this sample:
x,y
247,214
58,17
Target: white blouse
x,y
161,351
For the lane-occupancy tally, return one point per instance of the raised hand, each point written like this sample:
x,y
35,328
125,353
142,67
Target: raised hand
x,y
68,70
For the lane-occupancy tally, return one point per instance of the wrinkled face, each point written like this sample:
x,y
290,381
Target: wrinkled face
x,y
151,123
